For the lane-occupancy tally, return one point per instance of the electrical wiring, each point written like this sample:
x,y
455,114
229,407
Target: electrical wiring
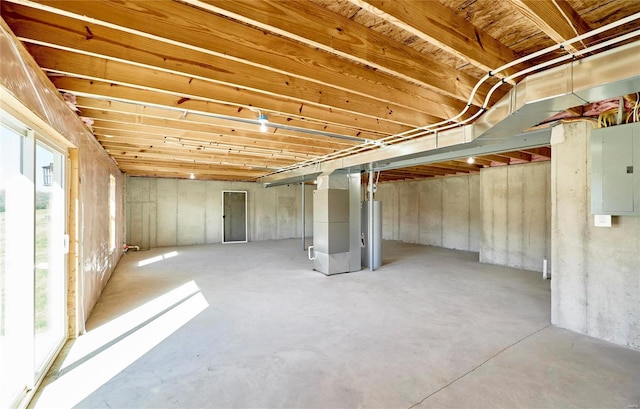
x,y
453,121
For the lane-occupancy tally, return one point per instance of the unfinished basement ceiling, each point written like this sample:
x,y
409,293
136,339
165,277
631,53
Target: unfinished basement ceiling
x,y
172,88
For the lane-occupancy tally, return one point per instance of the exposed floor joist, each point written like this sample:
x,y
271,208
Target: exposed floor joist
x,y
334,77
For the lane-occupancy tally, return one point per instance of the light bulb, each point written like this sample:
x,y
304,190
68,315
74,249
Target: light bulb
x,y
471,160
263,119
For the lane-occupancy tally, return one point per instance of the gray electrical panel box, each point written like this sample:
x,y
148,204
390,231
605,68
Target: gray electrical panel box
x,y
615,170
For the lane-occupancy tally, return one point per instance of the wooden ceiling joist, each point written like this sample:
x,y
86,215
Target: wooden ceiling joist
x,y
34,26
195,147
439,25
521,156
543,151
307,23
93,68
223,37
104,95
174,87
152,153
183,170
556,18
152,125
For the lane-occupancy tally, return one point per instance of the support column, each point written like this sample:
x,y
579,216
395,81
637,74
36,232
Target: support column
x,y
303,218
372,228
370,220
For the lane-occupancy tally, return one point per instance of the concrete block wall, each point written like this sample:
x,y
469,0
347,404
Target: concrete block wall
x,y
442,212
181,212
595,287
515,202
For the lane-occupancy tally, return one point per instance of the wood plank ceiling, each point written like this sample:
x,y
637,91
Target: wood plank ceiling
x,y
174,88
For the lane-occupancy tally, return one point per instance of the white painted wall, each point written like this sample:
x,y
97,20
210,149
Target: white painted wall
x,y
515,202
442,212
180,212
595,287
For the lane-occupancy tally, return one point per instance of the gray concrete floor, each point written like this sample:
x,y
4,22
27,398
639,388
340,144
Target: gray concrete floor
x,y
431,328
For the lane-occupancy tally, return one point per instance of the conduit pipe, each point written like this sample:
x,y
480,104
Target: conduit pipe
x,y
609,74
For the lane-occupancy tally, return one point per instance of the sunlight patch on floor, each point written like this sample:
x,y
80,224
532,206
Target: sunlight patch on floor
x,y
100,355
155,259
99,337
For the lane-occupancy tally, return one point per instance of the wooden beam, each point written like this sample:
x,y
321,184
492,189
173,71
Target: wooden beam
x,y
105,95
418,171
479,161
169,144
496,158
210,168
460,167
556,18
36,26
181,174
220,36
188,63
277,137
124,151
544,151
429,169
144,139
516,155
440,26
267,140
88,67
307,22
175,169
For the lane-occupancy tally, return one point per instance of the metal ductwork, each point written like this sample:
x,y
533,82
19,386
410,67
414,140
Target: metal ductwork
x,y
539,96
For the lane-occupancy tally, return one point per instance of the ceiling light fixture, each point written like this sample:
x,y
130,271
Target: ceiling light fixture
x,y
192,176
471,160
263,119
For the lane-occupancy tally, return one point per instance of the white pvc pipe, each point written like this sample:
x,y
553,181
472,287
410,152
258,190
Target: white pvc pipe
x,y
309,250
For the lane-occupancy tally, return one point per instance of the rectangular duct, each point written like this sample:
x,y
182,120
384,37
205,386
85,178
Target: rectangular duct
x,y
605,75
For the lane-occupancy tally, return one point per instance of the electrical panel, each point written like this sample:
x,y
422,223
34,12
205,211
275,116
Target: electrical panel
x,y
615,170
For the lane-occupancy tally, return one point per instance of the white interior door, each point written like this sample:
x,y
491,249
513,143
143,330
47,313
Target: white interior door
x,y
234,216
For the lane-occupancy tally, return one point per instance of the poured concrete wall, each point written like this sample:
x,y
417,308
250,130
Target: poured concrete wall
x,y
595,286
180,212
442,212
515,202
29,95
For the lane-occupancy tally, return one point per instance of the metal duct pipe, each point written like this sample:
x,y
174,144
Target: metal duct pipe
x,y
539,96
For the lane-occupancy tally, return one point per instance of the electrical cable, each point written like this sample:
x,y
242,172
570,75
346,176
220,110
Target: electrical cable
x,y
452,122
